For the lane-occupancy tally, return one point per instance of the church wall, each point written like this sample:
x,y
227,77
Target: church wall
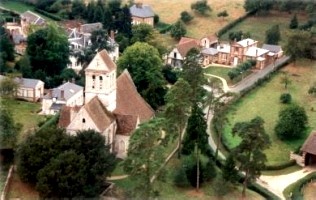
x,y
81,121
121,145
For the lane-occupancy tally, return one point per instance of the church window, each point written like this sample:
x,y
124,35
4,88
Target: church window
x,y
175,55
93,81
83,120
101,82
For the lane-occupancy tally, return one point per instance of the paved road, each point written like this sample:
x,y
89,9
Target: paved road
x,y
251,79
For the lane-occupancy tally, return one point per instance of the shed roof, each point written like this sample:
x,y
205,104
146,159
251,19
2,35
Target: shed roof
x,y
185,44
32,18
309,145
70,89
141,10
26,82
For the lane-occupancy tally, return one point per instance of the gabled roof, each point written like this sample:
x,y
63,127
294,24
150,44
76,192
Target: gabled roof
x,y
99,114
70,89
129,101
32,18
141,10
126,124
101,62
309,145
185,44
255,52
65,115
25,82
211,38
272,48
246,42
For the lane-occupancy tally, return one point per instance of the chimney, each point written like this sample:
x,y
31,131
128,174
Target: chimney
x,y
112,35
247,43
62,94
139,5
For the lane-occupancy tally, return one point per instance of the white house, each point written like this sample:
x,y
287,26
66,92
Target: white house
x,y
113,107
142,13
68,94
28,89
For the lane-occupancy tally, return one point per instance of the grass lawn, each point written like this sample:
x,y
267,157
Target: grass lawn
x,y
257,25
264,102
25,113
167,190
310,191
20,7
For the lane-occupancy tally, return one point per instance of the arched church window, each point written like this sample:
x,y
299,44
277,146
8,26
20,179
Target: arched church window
x,y
93,81
101,82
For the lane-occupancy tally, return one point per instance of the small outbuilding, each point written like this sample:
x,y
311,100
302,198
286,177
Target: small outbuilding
x,y
309,150
142,13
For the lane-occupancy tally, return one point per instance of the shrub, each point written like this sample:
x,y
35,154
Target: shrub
x,y
156,19
186,17
201,7
178,30
180,178
286,98
292,123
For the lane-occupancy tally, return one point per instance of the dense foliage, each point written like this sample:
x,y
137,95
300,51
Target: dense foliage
x,y
178,30
144,64
9,130
201,7
6,49
186,17
285,98
51,156
273,35
292,123
238,35
240,69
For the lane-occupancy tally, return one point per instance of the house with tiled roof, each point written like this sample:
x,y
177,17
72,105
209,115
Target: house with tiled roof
x,y
142,13
112,106
28,89
309,150
68,94
176,57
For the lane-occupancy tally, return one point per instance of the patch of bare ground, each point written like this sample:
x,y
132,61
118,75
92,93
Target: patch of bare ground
x,y
310,191
20,190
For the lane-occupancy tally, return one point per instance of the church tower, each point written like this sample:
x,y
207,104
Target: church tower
x,y
101,80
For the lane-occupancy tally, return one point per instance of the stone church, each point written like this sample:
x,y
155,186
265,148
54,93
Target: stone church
x,y
112,106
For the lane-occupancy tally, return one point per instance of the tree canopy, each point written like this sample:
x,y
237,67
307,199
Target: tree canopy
x,y
144,156
186,17
201,7
48,50
249,153
178,30
6,48
144,63
292,123
298,44
273,35
9,130
79,164
258,5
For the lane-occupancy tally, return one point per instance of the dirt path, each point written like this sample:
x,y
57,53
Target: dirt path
x,y
278,183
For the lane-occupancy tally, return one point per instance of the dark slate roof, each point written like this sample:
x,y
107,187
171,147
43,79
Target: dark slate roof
x,y
141,10
69,89
56,106
210,51
32,18
309,145
272,48
89,28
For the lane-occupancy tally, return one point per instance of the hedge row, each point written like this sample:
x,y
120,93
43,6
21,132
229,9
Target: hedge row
x,y
294,191
280,166
51,122
232,24
49,15
240,69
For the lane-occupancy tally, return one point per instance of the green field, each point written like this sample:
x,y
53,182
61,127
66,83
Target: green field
x,y
258,25
25,113
264,102
19,7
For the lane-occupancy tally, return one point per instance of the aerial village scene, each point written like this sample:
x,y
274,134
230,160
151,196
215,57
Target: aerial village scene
x,y
158,99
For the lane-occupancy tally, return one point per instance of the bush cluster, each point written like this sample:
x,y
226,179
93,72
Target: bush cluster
x,y
241,68
49,15
286,98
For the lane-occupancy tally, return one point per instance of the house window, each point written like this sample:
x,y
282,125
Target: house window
x,y
175,55
83,120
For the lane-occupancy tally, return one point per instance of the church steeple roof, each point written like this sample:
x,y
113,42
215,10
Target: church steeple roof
x,y
101,62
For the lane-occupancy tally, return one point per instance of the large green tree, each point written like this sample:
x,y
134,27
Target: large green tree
x,y
144,157
177,111
6,48
196,133
273,35
193,73
292,123
249,153
298,44
145,66
48,50
142,33
8,87
56,162
178,30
